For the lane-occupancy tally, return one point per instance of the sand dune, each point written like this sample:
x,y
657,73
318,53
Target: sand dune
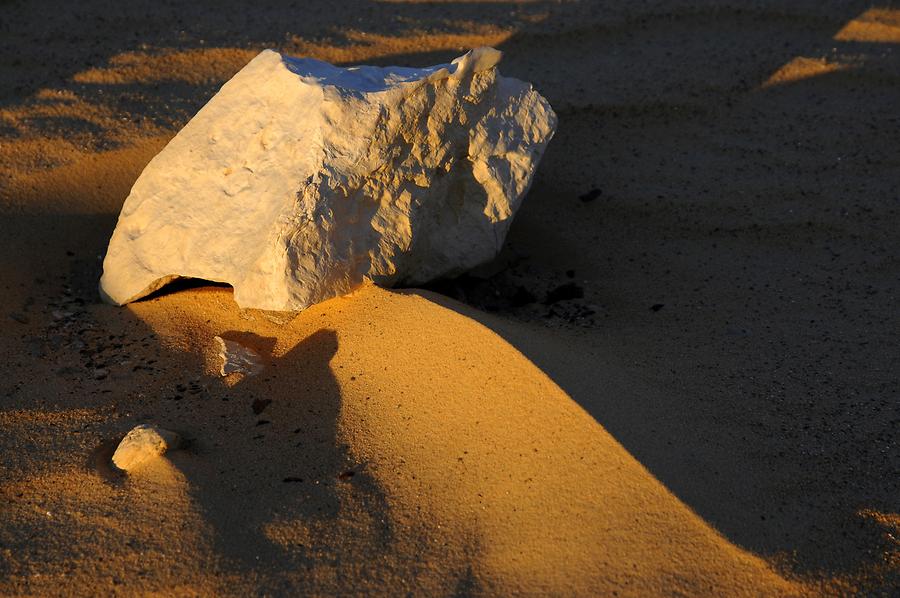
x,y
405,447
713,415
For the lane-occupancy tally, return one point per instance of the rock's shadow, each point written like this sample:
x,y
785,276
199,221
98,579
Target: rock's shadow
x,y
273,478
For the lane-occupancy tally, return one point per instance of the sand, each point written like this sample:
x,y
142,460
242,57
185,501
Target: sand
x,y
679,378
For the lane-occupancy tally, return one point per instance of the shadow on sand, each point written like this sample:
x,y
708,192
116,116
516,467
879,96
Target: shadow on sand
x,y
282,495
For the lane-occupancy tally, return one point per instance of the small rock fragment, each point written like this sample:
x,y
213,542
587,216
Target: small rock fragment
x,y
236,358
259,405
142,443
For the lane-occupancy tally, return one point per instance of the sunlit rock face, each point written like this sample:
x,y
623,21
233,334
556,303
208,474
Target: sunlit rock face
x,y
300,181
143,443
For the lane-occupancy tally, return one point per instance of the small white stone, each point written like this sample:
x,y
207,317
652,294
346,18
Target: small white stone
x,y
237,359
142,443
300,181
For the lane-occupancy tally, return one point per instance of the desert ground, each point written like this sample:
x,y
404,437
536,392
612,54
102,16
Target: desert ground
x,y
680,377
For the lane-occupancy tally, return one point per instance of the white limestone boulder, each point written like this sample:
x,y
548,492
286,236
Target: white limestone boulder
x,y
300,181
143,443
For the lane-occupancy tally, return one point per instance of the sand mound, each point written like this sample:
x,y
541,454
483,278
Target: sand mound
x,y
405,446
390,443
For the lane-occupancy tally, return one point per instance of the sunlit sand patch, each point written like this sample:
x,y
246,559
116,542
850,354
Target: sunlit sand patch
x,y
95,183
57,127
211,65
874,25
801,68
78,113
55,104
290,533
196,66
368,46
890,521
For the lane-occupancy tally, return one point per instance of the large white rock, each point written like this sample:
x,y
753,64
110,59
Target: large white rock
x,y
299,181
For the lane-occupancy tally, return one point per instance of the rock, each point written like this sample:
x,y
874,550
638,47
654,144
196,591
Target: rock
x,y
142,443
590,195
259,405
300,181
236,358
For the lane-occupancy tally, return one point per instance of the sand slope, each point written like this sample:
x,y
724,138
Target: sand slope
x,y
392,444
471,470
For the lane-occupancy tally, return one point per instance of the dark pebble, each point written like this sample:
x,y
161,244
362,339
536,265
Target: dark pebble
x,y
590,195
259,405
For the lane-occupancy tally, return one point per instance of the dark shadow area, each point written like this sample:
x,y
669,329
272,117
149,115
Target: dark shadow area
x,y
290,471
183,284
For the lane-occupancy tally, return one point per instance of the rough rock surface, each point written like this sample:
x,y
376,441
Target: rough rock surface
x,y
237,359
299,181
142,443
